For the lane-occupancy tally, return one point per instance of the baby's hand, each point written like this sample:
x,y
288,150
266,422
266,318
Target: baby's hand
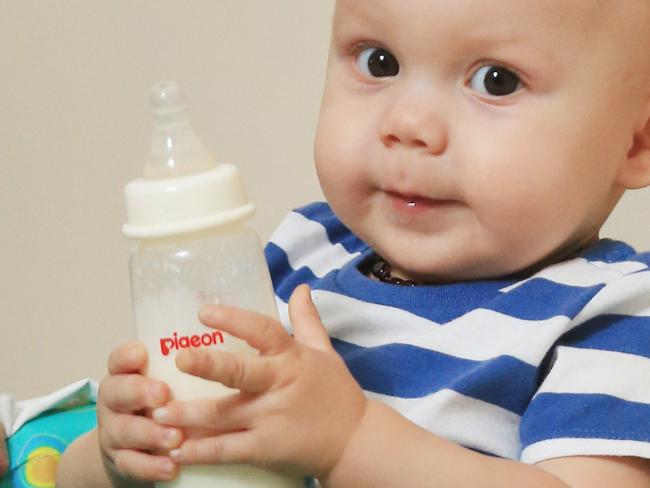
x,y
298,404
126,436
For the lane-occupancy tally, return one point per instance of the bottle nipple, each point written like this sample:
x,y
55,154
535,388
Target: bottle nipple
x,y
183,190
175,148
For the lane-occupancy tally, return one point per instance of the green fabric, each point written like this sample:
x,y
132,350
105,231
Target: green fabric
x,y
35,449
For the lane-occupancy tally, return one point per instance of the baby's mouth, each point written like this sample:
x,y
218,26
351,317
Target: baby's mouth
x,y
414,202
420,212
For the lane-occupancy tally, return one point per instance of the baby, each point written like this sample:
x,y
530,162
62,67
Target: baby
x,y
468,327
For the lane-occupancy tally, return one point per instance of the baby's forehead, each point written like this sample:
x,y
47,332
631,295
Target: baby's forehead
x,y
585,10
617,19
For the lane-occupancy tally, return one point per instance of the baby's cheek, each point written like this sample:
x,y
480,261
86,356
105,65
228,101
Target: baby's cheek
x,y
327,155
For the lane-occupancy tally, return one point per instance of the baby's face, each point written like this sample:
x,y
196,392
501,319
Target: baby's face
x,y
473,138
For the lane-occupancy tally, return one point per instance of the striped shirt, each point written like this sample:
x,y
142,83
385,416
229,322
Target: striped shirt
x,y
557,364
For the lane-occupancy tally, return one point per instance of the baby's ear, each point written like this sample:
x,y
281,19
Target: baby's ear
x,y
635,171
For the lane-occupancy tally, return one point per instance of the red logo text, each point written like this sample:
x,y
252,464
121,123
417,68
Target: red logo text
x,y
176,342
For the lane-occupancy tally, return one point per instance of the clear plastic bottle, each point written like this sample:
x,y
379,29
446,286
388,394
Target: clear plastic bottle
x,y
188,214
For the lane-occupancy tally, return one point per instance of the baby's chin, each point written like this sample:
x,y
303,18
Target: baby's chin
x,y
454,254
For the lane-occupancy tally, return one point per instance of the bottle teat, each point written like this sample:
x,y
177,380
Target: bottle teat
x,y
183,189
175,148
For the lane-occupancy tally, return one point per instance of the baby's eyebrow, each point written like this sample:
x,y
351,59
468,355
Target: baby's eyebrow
x,y
509,42
494,39
356,12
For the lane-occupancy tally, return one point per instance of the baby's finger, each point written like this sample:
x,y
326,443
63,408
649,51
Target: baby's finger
x,y
132,392
222,415
307,325
127,358
142,466
125,431
234,448
245,372
259,331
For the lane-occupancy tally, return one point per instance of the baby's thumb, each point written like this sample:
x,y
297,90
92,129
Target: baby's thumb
x,y
307,326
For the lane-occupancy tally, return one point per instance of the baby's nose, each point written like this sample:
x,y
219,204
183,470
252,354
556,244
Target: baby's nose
x,y
414,122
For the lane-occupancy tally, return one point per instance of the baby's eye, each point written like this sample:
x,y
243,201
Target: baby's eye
x,y
376,62
495,80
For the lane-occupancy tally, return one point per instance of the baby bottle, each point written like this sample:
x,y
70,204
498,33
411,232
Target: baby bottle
x,y
188,215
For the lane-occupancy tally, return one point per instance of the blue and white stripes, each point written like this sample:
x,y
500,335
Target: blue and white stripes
x,y
553,365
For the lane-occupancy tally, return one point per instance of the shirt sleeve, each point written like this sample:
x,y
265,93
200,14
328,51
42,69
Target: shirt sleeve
x,y
595,398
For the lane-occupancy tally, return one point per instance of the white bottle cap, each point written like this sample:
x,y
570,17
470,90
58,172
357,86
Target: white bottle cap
x,y
183,189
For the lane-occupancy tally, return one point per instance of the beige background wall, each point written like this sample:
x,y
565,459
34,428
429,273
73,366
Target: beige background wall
x,y
75,127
